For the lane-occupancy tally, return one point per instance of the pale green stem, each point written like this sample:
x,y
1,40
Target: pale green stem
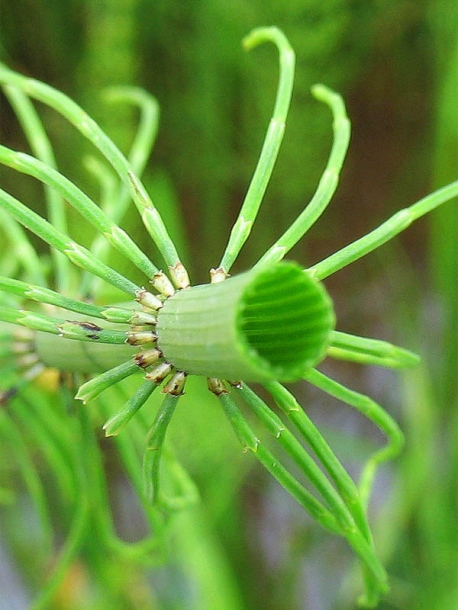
x,y
81,203
249,441
97,491
127,446
117,422
76,253
35,414
376,414
328,182
24,252
370,351
94,387
20,455
115,203
342,480
295,450
89,128
154,443
45,295
268,323
143,141
42,149
359,542
271,146
386,231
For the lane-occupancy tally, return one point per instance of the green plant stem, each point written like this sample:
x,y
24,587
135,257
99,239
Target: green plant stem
x,y
72,544
386,231
50,297
328,182
89,128
117,422
154,443
250,441
82,203
25,253
95,386
42,149
270,322
342,480
374,413
115,204
69,329
370,351
20,454
127,444
272,142
76,253
295,450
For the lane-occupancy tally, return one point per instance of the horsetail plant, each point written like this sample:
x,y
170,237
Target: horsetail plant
x,y
271,324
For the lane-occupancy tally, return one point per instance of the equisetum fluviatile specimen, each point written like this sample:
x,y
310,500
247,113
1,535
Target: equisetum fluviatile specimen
x,y
271,324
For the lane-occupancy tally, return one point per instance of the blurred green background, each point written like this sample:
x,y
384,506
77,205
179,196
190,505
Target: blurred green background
x,y
395,62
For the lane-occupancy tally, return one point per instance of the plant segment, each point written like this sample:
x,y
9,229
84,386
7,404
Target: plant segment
x,y
270,324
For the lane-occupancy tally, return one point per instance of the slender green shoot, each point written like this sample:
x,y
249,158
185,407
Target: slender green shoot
x,y
386,231
76,253
263,172
328,182
65,106
370,351
250,441
374,412
154,443
115,199
82,203
42,149
342,480
117,422
95,386
306,464
25,253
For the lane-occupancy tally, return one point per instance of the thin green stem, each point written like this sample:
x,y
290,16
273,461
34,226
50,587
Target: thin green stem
x,y
360,543
21,449
328,182
67,554
114,199
69,329
375,414
143,141
250,441
128,444
42,149
272,142
24,252
37,416
65,106
119,420
76,253
370,351
154,443
386,231
94,387
342,480
45,295
297,452
97,490
82,203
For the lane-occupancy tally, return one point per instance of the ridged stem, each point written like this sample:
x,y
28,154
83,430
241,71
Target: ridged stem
x,y
268,323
